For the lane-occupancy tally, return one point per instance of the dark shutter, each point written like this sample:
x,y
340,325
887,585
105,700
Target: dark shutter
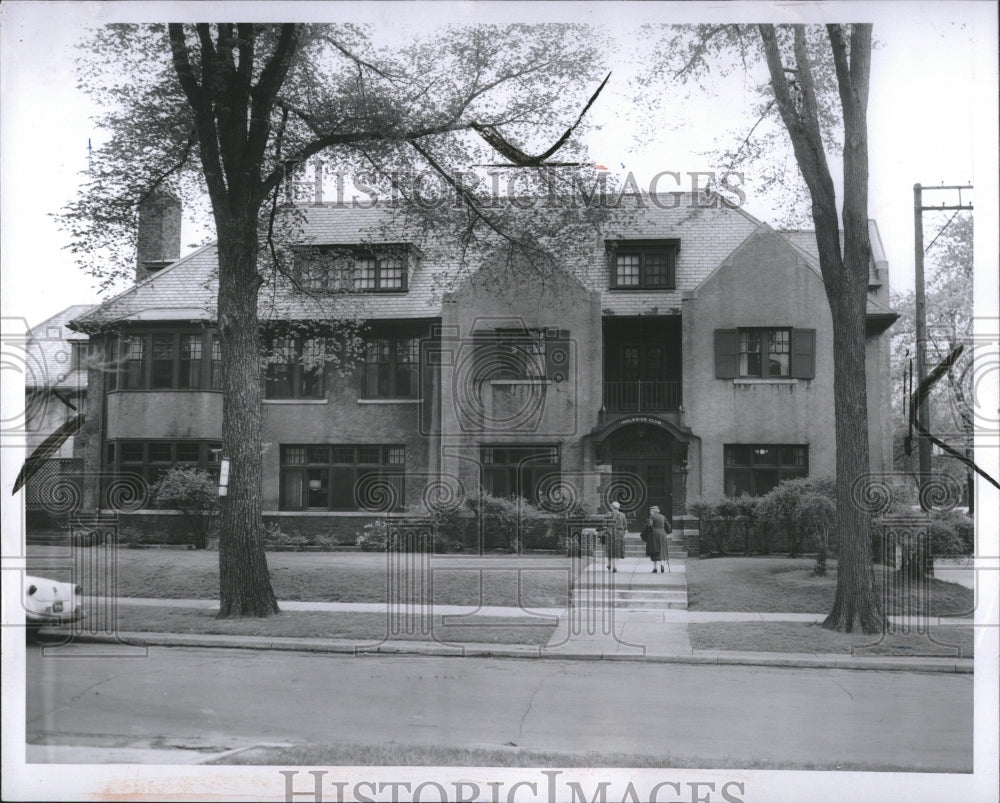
x,y
727,354
803,353
557,354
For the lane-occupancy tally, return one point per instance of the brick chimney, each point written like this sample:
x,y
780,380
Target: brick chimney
x,y
159,233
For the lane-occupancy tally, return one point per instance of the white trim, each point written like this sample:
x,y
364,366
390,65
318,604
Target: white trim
x,y
388,401
296,401
520,381
753,381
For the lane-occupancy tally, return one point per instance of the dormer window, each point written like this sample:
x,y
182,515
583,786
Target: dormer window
x,y
642,264
361,269
380,274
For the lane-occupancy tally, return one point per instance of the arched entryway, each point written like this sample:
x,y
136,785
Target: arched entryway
x,y
644,453
648,461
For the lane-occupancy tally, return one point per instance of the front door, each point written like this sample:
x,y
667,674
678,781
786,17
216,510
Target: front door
x,y
653,477
641,457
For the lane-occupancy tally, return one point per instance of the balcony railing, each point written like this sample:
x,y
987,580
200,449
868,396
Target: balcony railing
x,y
641,396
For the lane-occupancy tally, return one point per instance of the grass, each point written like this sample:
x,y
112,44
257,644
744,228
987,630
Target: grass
x,y
530,582
395,754
944,642
788,585
375,627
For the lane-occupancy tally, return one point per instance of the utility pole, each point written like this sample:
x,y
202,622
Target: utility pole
x,y
923,411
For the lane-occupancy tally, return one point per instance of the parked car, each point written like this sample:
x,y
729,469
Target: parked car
x,y
50,602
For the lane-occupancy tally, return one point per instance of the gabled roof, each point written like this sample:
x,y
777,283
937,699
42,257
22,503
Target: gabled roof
x,y
187,289
50,350
804,240
184,290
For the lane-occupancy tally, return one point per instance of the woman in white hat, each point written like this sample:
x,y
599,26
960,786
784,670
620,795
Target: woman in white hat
x,y
614,534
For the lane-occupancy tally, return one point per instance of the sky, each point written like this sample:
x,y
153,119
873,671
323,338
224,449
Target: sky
x,y
932,114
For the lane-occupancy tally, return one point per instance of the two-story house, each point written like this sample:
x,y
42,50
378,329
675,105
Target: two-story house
x,y
687,353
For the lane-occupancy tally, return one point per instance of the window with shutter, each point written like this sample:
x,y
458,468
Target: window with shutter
x,y
765,353
727,353
803,353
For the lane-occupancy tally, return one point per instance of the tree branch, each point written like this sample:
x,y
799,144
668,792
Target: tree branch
x,y
807,144
698,49
360,62
204,121
746,139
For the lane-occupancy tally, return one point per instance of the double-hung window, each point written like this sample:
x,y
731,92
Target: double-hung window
x,y
294,367
131,351
761,353
215,369
392,367
765,352
164,361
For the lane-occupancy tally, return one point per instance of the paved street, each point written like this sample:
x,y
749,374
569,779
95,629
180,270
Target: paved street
x,y
215,699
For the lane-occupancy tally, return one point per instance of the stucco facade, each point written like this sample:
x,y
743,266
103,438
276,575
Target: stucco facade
x,y
678,353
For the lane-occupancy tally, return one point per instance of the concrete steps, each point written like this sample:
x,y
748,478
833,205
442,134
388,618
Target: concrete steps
x,y
633,588
635,548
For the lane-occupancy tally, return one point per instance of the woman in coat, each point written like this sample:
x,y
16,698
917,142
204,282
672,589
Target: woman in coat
x,y
656,542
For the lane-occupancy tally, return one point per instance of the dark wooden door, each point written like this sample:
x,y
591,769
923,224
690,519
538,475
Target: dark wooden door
x,y
644,482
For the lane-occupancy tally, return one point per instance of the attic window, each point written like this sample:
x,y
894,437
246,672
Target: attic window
x,y
379,274
642,264
359,269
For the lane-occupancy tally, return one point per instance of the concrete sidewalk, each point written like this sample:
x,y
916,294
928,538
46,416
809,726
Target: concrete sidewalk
x,y
632,614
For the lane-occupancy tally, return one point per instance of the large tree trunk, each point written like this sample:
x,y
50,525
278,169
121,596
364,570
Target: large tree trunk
x,y
244,582
856,604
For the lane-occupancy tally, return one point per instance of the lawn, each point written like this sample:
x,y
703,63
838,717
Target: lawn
x,y
943,642
530,582
788,585
375,627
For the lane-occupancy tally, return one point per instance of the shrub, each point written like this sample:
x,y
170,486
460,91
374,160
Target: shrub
x,y
393,535
779,506
195,494
951,534
727,510
749,508
509,521
376,536
815,516
276,539
704,511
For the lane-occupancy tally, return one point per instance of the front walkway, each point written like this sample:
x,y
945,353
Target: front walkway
x,y
632,611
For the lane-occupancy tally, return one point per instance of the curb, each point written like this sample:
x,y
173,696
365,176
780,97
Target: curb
x,y
472,650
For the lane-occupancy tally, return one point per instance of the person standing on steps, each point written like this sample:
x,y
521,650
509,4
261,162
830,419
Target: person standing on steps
x,y
657,545
614,534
